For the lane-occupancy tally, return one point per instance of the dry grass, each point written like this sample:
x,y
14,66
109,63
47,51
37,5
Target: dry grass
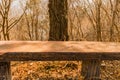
x,y
110,70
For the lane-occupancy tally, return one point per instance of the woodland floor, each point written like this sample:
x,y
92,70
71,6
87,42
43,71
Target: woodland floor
x,y
110,70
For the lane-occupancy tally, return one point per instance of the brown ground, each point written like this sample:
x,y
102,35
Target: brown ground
x,y
60,70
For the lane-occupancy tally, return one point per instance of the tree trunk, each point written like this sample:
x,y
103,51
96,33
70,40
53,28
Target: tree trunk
x,y
58,10
98,20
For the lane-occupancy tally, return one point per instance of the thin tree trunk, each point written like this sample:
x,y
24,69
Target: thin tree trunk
x,y
98,20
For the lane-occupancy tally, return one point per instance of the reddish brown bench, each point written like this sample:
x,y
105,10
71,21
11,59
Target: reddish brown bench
x,y
54,51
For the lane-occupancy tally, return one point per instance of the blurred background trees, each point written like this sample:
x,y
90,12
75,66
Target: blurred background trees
x,y
6,21
90,20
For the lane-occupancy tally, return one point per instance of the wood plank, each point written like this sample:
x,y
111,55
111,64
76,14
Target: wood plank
x,y
47,46
5,72
50,51
92,70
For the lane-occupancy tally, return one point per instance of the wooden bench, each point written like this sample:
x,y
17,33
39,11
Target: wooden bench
x,y
55,51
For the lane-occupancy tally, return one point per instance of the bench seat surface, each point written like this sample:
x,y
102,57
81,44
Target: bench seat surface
x,y
73,46
47,50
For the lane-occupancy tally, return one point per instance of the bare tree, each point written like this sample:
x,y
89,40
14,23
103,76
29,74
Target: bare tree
x,y
98,19
32,18
114,12
5,23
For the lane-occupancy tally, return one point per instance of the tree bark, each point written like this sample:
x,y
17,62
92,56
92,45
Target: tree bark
x,y
58,12
98,20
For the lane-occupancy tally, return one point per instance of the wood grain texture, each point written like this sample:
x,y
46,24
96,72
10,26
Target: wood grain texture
x,y
5,72
48,50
